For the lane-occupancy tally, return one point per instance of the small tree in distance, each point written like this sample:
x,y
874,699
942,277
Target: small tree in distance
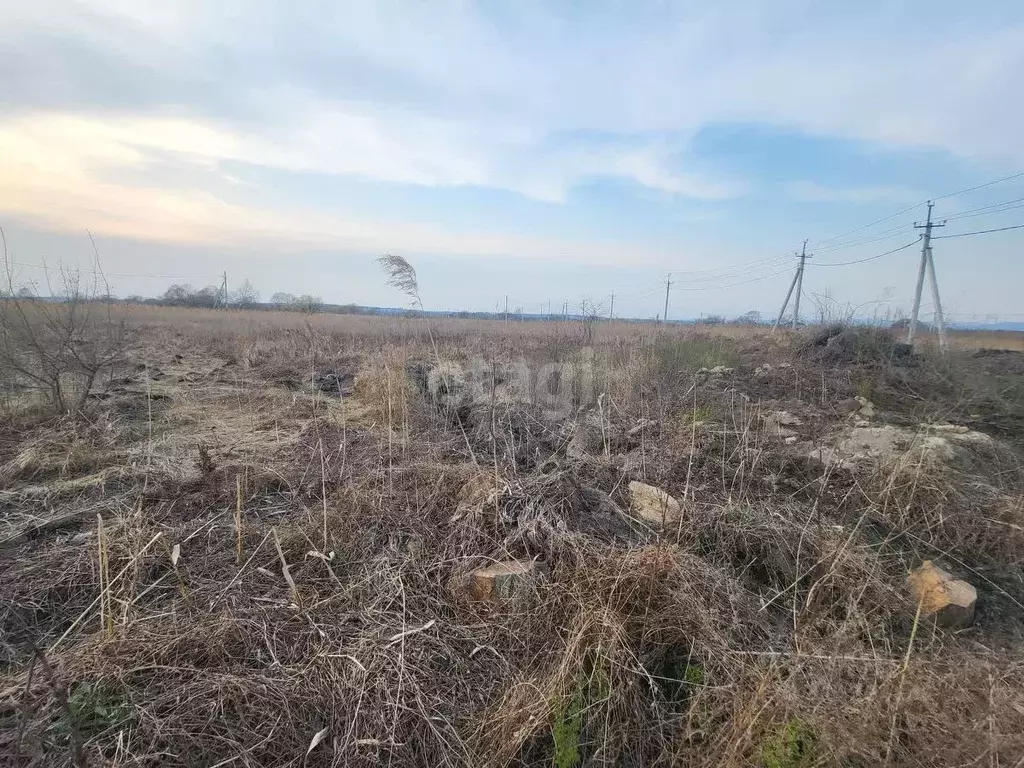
x,y
246,296
282,300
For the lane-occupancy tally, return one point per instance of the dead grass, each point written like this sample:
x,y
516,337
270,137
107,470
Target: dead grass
x,y
282,575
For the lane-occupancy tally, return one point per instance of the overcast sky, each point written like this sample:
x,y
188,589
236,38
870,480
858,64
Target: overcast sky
x,y
548,151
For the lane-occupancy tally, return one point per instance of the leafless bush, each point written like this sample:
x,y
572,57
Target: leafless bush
x,y
59,344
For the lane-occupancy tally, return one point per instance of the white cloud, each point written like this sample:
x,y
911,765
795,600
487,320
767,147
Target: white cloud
x,y
54,169
448,95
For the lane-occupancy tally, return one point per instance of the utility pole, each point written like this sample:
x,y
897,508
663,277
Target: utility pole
x,y
549,309
222,294
927,266
668,284
798,284
611,309
506,308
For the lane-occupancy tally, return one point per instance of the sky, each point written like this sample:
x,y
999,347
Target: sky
x,y
550,152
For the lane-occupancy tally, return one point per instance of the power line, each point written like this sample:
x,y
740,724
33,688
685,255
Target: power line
x,y
873,223
729,267
1011,177
1001,208
733,285
888,235
766,265
979,232
869,258
986,207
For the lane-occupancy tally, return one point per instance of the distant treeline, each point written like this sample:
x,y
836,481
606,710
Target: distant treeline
x,y
247,297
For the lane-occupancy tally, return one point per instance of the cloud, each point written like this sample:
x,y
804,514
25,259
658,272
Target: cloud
x,y
61,172
449,94
127,117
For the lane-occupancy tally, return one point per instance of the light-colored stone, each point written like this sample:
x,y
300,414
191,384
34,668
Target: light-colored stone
x,y
791,439
505,580
652,504
720,370
867,447
867,408
949,601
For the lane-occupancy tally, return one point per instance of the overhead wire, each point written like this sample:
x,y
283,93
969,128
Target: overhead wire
x,y
869,258
733,285
1011,177
979,232
889,235
867,226
979,212
986,207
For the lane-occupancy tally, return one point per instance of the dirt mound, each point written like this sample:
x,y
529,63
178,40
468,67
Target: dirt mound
x,y
1000,362
854,344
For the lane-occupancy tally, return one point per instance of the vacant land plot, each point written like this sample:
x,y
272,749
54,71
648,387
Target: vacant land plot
x,y
267,539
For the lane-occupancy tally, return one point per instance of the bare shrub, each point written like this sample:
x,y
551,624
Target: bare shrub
x,y
60,344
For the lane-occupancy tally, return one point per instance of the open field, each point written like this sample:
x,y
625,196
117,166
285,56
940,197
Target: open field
x,y
270,539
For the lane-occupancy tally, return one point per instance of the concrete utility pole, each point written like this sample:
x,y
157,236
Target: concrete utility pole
x,y
798,284
506,307
668,284
222,294
927,266
611,309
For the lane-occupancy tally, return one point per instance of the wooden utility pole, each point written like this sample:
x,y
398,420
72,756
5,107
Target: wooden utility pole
x,y
927,266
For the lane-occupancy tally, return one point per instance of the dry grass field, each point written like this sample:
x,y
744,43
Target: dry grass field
x,y
270,539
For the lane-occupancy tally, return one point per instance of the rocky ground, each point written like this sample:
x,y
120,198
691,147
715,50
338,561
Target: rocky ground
x,y
282,546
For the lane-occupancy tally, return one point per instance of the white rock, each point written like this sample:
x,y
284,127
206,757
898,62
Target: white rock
x,y
867,408
652,504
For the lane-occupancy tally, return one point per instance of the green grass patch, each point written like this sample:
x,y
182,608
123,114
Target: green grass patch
x,y
791,746
93,709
